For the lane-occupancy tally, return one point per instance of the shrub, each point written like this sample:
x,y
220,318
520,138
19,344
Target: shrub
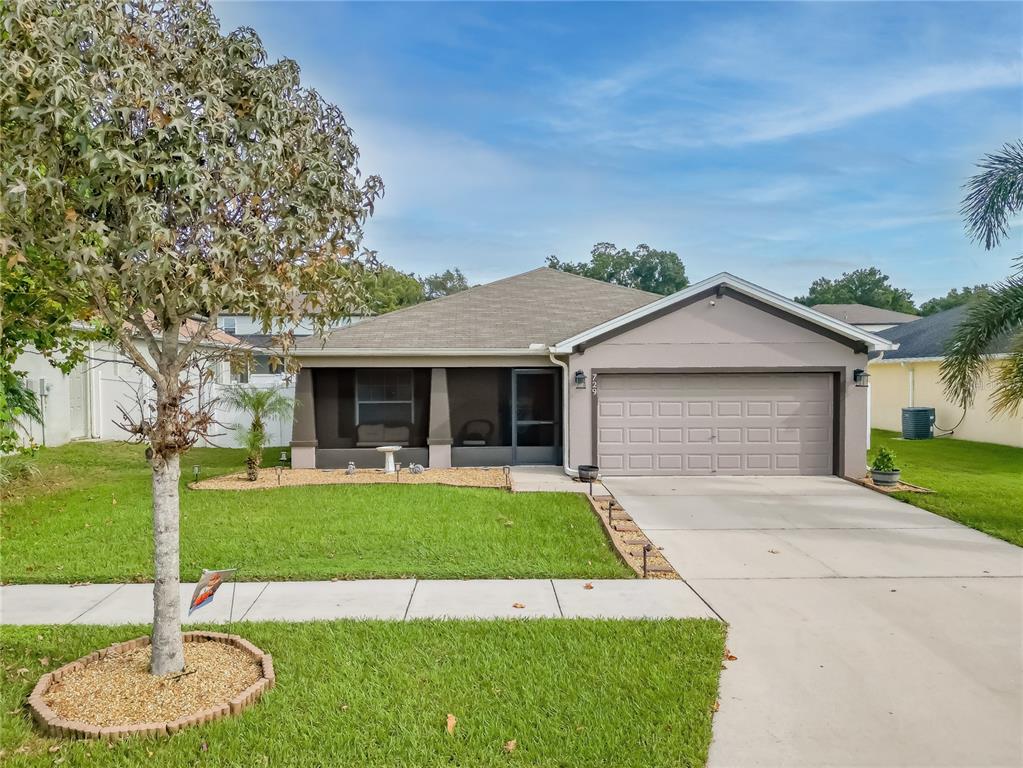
x,y
16,467
884,461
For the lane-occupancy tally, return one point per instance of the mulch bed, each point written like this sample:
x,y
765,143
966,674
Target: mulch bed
x,y
476,477
629,540
900,487
111,694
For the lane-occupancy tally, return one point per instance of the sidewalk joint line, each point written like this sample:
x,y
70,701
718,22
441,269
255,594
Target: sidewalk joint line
x,y
253,603
703,600
109,594
409,603
557,599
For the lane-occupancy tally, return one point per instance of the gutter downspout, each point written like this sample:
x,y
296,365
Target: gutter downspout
x,y
568,469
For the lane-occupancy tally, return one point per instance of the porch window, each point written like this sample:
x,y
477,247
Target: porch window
x,y
384,397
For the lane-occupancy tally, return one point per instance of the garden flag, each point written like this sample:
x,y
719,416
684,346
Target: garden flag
x,y
208,586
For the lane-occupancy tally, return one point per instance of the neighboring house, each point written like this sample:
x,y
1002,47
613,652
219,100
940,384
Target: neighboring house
x,y
868,318
83,404
910,376
546,367
261,370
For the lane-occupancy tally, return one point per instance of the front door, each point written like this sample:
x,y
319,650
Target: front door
x,y
535,438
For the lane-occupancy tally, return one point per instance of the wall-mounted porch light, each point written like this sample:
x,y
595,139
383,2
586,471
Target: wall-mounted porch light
x,y
580,380
860,377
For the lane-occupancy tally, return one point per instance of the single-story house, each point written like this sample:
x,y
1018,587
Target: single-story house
x,y
724,377
864,316
910,376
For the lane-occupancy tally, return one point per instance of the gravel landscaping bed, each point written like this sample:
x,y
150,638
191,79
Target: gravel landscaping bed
x,y
118,690
110,694
475,477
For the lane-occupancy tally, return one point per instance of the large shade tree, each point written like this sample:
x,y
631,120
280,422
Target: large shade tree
x,y
869,286
955,298
645,268
174,171
994,196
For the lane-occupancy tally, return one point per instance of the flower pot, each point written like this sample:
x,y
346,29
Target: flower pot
x,y
885,478
588,472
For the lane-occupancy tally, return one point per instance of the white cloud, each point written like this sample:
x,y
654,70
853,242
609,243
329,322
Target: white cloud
x,y
843,103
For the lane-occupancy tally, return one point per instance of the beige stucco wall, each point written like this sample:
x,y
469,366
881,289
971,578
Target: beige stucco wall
x,y
897,385
723,334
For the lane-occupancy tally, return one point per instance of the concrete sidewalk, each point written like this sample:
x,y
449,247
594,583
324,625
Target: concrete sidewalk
x,y
396,599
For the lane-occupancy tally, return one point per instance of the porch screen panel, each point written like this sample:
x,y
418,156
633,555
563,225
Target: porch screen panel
x,y
480,402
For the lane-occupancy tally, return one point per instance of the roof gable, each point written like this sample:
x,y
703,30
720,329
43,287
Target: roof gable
x,y
530,311
769,301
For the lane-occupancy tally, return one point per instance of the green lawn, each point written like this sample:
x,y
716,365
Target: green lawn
x,y
977,484
87,517
570,693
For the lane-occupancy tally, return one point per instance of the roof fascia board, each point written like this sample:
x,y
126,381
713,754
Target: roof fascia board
x,y
873,342
419,352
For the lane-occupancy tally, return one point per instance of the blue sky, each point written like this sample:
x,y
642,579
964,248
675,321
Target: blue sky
x,y
777,141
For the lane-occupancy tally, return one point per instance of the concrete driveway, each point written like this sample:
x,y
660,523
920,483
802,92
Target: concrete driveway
x,y
868,632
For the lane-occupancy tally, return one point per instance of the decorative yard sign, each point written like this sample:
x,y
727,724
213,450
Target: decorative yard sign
x,y
207,587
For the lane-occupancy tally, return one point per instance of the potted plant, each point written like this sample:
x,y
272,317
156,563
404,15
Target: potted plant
x,y
883,469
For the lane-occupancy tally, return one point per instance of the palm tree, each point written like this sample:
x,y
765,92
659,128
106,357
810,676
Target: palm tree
x,y
262,405
994,196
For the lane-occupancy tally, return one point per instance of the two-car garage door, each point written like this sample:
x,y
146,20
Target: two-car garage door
x,y
725,424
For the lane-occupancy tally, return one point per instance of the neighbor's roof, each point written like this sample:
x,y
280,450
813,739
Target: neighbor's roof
x,y
537,308
928,336
863,314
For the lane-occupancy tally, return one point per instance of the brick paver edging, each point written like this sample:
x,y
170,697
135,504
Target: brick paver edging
x,y
55,726
629,540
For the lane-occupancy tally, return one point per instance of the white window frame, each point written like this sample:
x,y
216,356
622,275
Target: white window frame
x,y
233,329
410,401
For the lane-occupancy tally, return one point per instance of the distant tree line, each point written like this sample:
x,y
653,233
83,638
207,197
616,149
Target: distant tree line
x,y
870,286
663,272
390,289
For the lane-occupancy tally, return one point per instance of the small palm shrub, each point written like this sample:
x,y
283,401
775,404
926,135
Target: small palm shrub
x,y
261,405
884,461
252,442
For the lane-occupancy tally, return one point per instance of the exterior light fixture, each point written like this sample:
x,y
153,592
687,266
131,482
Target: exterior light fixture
x,y
283,459
279,469
580,380
861,378
196,469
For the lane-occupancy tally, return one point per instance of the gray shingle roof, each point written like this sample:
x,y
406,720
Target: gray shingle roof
x,y
862,314
543,306
928,336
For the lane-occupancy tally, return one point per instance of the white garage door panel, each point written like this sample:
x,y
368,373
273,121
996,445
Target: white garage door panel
x,y
702,424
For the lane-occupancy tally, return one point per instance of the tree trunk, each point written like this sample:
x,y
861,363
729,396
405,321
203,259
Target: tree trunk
x,y
252,464
168,649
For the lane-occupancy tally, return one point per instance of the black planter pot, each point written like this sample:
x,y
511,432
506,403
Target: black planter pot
x,y
588,472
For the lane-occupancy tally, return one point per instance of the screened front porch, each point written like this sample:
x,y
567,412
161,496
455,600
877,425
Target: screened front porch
x,y
462,417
